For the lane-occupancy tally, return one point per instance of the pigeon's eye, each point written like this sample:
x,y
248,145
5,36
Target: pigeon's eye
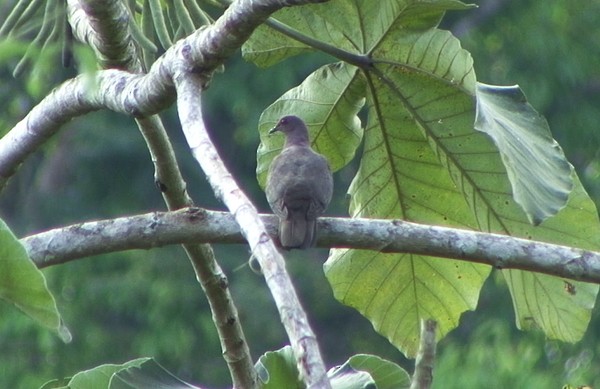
x,y
283,121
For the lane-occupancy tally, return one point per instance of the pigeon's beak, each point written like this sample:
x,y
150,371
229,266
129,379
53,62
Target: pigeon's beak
x,y
273,130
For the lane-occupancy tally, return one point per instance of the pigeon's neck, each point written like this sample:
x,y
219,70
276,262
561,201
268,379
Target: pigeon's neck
x,y
297,139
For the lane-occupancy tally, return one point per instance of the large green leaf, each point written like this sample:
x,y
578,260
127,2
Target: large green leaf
x,y
561,308
24,285
328,101
402,176
424,161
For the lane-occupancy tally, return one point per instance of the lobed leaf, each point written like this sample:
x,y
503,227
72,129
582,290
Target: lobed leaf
x,y
424,161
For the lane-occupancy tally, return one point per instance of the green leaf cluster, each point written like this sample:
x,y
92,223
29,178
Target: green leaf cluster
x,y
438,148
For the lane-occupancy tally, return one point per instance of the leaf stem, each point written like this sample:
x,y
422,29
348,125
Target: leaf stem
x,y
360,60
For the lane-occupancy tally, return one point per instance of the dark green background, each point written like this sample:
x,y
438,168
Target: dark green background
x,y
148,303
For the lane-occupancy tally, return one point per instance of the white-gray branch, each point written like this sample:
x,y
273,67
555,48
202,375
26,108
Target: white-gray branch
x,y
194,225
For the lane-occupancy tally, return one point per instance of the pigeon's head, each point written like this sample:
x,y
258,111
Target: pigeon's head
x,y
288,124
294,129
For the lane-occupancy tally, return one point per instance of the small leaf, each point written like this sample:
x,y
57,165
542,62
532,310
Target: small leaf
x,y
56,384
24,285
277,369
346,377
99,376
387,375
139,373
539,173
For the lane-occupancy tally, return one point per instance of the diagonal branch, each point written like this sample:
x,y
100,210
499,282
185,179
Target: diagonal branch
x,y
302,339
104,25
137,95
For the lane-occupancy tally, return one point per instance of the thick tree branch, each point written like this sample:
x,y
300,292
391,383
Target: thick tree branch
x,y
194,225
303,341
138,95
104,26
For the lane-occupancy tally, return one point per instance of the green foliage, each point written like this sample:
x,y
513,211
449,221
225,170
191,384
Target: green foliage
x,y
100,376
537,169
554,60
439,148
493,357
49,21
147,374
387,375
277,369
138,373
168,21
330,99
134,304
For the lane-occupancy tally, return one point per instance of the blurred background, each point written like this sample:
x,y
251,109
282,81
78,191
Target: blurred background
x,y
148,303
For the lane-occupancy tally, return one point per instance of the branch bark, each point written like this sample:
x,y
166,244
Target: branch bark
x,y
140,96
303,340
423,376
196,225
132,94
104,25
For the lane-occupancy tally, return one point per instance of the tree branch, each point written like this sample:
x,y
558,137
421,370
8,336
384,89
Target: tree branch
x,y
302,339
423,376
195,225
137,95
104,25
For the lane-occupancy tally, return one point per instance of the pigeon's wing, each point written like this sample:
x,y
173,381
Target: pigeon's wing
x,y
321,182
299,179
286,177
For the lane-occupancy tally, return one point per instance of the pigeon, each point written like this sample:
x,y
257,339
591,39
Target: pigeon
x,y
299,185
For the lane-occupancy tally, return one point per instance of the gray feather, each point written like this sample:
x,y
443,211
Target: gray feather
x,y
299,186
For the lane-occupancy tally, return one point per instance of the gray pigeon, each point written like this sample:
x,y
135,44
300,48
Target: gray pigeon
x,y
299,185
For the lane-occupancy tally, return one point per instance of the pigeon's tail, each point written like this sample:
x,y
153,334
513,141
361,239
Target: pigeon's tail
x,y
296,232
